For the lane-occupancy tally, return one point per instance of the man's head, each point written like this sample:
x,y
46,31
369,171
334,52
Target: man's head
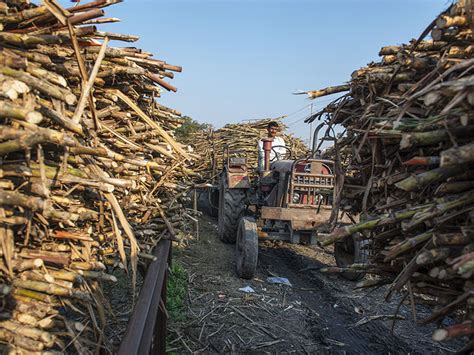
x,y
273,128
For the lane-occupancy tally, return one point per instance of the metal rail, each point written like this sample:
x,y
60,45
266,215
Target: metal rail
x,y
146,330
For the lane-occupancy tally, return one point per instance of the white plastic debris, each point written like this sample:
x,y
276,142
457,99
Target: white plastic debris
x,y
247,289
279,280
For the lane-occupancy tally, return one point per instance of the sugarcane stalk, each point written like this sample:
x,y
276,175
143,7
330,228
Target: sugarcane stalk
x,y
52,172
152,123
8,198
22,318
87,266
450,21
422,161
26,139
80,31
440,239
99,275
454,331
442,273
340,233
69,235
433,255
407,245
36,276
28,41
20,341
88,85
49,323
415,62
439,209
21,265
422,180
23,15
34,322
64,275
36,334
52,257
467,268
458,155
86,16
101,20
51,289
42,86
422,46
31,295
32,56
454,187
327,91
38,204
411,139
65,122
10,110
116,36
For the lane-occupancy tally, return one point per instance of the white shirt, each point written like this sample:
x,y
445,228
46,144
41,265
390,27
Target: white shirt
x,y
277,141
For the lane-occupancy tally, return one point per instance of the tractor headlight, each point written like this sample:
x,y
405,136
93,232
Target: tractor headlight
x,y
296,198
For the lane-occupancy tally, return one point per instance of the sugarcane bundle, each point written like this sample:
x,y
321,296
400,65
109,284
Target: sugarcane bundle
x,y
241,137
409,156
90,173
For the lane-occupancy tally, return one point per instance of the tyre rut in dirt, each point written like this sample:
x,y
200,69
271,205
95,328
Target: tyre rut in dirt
x,y
246,248
351,251
231,209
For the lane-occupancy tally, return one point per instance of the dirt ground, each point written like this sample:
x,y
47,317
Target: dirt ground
x,y
317,313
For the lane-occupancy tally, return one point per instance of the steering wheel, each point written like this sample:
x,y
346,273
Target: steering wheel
x,y
287,154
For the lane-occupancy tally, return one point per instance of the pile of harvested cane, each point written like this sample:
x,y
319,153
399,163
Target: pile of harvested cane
x,y
409,154
242,137
90,174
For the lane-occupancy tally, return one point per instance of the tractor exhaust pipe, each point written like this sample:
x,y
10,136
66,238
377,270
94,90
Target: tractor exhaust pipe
x,y
267,148
314,150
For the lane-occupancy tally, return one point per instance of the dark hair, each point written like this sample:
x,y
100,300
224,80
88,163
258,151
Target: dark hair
x,y
272,124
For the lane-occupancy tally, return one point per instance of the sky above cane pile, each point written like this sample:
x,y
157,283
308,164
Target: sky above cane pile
x,y
243,59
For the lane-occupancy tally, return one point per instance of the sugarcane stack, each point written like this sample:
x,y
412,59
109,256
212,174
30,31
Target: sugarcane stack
x,y
241,138
408,153
90,173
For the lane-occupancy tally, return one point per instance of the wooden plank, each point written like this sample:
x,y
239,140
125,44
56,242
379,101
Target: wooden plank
x,y
295,214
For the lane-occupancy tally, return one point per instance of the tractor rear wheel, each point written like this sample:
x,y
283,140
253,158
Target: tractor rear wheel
x,y
350,251
246,248
231,208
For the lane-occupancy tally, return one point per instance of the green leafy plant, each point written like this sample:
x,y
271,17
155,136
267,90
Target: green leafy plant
x,y
189,127
176,292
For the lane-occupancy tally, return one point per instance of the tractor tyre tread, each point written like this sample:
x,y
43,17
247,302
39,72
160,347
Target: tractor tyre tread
x,y
247,248
360,256
232,211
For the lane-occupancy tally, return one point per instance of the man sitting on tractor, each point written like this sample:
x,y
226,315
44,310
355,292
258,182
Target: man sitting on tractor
x,y
278,145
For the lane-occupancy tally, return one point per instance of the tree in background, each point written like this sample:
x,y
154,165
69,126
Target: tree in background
x,y
189,127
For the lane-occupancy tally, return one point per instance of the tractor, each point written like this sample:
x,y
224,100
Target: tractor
x,y
290,201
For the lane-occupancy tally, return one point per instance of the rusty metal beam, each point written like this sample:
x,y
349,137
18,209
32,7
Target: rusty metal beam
x,y
146,317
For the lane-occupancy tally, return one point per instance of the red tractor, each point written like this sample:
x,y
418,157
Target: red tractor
x,y
292,201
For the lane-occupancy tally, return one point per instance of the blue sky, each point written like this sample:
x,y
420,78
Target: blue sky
x,y
243,59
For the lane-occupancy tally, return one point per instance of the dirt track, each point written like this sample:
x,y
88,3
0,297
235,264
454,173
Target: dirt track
x,y
317,313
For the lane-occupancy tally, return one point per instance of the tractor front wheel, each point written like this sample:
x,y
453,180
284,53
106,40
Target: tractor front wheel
x,y
350,251
246,248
